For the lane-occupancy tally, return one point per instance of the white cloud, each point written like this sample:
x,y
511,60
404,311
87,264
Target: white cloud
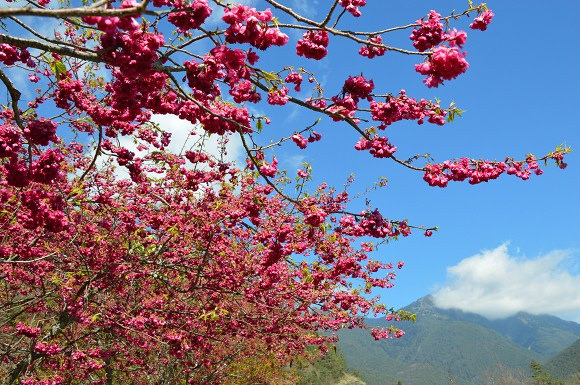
x,y
307,8
185,136
498,285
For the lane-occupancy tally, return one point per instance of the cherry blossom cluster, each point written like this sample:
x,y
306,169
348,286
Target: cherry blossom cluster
x,y
358,87
379,147
41,132
238,119
10,55
314,216
278,97
269,169
313,45
133,52
192,16
387,333
221,63
429,33
456,38
47,349
302,142
372,224
10,141
371,51
403,107
45,169
445,63
558,157
244,91
352,6
294,78
250,26
354,89
342,107
478,171
481,22
28,331
112,24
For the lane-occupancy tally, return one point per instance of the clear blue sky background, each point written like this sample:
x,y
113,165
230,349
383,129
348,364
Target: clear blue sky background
x,y
520,95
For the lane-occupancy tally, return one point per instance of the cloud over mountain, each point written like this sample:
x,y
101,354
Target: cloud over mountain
x,y
496,284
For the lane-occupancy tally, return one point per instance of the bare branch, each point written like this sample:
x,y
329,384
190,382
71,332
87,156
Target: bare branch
x,y
73,12
40,36
62,50
15,96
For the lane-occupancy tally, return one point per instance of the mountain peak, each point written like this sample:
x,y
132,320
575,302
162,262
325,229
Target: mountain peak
x,y
424,305
428,299
427,302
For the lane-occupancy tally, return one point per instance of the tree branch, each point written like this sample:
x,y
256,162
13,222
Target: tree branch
x,y
15,96
73,12
64,51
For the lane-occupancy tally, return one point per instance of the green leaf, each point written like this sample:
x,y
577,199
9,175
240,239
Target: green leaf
x,y
271,76
58,68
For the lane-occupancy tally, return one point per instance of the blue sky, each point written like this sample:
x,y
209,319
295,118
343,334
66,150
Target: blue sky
x,y
520,96
503,246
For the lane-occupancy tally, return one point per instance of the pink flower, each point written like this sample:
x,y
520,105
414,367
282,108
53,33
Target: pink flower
x,y
269,169
456,38
47,349
191,18
371,51
358,87
481,21
313,45
296,78
315,216
278,97
314,137
429,33
444,64
352,6
250,26
41,132
28,331
300,141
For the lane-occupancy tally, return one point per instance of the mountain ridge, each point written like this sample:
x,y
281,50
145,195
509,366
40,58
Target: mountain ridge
x,y
543,334
450,343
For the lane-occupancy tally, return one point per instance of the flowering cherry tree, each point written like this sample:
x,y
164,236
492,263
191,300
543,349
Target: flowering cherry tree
x,y
193,269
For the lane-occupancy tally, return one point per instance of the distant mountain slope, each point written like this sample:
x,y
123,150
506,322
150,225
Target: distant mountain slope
x,y
566,363
452,343
542,334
